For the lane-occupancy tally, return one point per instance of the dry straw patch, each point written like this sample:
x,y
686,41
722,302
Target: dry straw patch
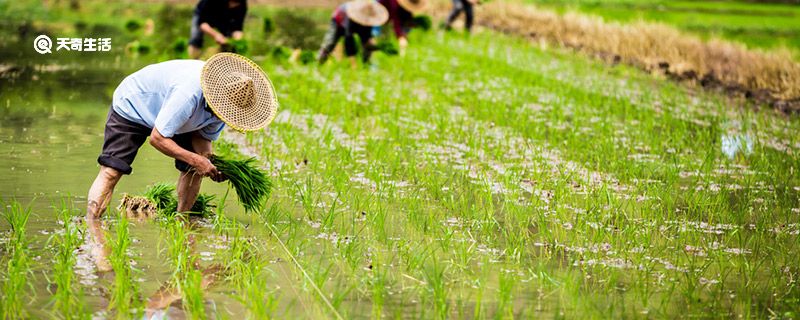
x,y
772,77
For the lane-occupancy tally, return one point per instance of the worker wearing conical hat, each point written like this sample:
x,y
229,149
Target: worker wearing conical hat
x,y
222,20
401,14
351,19
181,105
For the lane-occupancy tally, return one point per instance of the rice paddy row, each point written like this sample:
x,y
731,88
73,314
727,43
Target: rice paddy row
x,y
492,179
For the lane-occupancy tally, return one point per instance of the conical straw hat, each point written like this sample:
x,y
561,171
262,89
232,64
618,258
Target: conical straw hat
x,y
238,92
367,13
413,6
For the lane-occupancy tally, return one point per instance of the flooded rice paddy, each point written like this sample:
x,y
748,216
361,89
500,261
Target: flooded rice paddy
x,y
491,179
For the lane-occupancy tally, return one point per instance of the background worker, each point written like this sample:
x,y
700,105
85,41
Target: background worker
x,y
220,19
351,19
462,6
401,14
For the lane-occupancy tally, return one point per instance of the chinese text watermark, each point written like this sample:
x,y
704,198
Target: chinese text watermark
x,y
43,44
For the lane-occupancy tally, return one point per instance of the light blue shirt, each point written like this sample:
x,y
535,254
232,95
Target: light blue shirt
x,y
167,96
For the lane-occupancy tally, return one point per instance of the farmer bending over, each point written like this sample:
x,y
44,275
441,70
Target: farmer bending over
x,y
401,13
458,7
220,19
351,19
182,105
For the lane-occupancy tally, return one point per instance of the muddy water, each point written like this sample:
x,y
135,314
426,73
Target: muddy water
x,y
51,131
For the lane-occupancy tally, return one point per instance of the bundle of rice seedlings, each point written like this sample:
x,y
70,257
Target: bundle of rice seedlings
x,y
162,195
136,206
251,184
388,47
423,22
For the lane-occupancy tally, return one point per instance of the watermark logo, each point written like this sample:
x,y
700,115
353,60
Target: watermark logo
x,y
43,44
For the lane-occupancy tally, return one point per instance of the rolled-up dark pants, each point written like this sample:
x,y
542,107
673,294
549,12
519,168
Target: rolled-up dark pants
x,y
123,138
336,32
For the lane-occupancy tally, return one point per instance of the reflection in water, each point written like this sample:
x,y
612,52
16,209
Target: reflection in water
x,y
159,304
733,144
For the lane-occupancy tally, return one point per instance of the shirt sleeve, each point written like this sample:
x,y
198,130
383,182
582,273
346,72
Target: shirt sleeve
x,y
211,132
175,112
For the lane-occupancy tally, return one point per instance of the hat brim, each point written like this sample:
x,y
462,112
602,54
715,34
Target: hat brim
x,y
359,11
251,117
412,7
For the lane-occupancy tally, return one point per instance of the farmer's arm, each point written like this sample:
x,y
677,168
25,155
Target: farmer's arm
x,y
168,147
176,111
206,11
209,30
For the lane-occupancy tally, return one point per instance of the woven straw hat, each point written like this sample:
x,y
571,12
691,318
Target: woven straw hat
x,y
413,6
367,13
238,92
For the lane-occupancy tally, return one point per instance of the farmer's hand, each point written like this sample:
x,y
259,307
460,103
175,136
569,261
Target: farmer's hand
x,y
204,167
220,39
403,42
219,178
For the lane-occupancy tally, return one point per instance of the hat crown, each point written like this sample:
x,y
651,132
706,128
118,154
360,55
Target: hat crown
x,y
240,89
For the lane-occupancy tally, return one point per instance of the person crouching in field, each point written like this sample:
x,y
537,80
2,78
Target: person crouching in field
x,y
401,13
458,7
220,19
181,105
351,19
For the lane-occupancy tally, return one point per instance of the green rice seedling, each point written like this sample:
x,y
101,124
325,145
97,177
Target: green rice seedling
x,y
186,273
191,287
16,288
244,270
437,286
505,307
162,195
68,298
251,184
204,205
125,295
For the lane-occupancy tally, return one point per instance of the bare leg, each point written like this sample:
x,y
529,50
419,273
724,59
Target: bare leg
x,y
188,188
98,199
101,191
194,52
